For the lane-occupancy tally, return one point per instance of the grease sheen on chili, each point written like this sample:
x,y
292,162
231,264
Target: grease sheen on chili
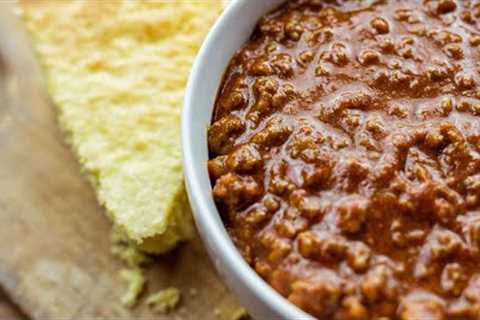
x,y
345,157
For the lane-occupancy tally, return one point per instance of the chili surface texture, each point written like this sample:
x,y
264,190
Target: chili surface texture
x,y
345,157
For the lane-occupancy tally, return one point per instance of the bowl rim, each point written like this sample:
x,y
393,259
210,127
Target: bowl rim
x,y
204,216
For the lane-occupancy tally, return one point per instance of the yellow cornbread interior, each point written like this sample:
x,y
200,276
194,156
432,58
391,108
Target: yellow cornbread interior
x,y
117,70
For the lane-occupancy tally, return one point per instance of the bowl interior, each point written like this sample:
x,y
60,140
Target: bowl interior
x,y
228,35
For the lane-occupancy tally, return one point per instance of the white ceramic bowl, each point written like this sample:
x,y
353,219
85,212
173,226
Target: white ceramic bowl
x,y
230,32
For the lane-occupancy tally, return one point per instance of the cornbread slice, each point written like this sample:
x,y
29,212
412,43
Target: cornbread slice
x,y
117,70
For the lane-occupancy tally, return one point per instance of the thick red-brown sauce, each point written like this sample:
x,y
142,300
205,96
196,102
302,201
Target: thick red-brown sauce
x,y
345,157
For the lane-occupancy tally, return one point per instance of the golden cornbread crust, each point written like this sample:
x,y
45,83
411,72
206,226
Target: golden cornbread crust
x,y
117,70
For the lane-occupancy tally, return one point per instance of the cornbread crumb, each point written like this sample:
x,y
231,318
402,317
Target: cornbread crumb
x,y
231,314
164,300
135,280
123,249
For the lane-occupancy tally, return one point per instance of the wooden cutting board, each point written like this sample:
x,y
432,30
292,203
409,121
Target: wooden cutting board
x,y
55,239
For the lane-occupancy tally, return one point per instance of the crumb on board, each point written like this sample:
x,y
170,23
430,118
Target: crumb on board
x,y
126,251
236,314
164,300
135,280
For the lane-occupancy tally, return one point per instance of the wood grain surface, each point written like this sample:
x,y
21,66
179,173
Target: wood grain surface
x,y
55,239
